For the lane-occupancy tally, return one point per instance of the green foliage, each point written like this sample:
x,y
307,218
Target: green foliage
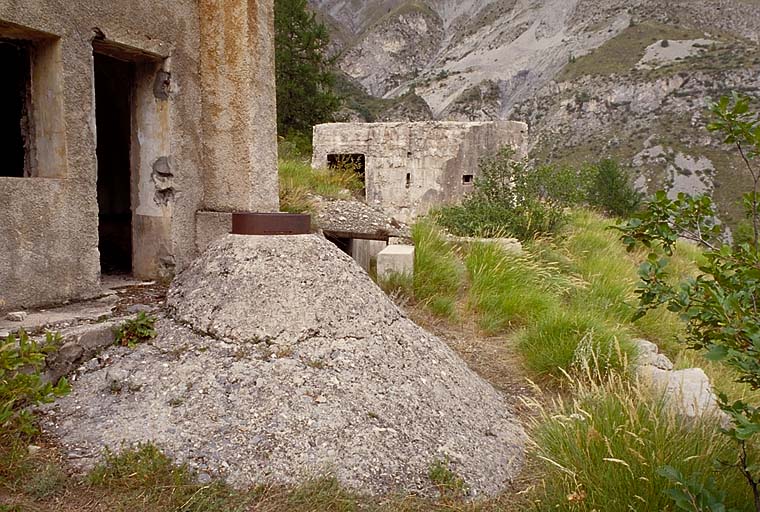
x,y
526,201
302,72
507,289
612,191
720,304
294,146
505,199
449,484
137,330
602,449
21,386
298,181
570,340
437,271
693,494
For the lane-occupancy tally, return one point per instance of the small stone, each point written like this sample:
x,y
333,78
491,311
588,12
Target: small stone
x,y
116,380
33,449
92,365
139,308
204,478
16,316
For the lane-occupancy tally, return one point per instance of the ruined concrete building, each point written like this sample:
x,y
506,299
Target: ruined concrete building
x,y
410,167
130,130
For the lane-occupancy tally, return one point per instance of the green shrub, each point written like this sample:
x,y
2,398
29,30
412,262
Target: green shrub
x,y
515,197
612,191
137,330
505,199
568,186
21,385
719,305
294,146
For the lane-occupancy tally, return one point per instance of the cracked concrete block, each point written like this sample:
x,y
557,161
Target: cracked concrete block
x,y
63,362
398,259
16,316
97,337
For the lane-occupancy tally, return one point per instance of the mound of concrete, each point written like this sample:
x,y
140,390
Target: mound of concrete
x,y
281,360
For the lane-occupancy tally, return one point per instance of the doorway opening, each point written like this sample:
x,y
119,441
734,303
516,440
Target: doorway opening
x,y
14,102
114,80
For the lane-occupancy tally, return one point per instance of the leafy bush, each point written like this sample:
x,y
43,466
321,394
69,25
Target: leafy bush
x,y
505,199
137,330
524,200
611,190
720,305
21,386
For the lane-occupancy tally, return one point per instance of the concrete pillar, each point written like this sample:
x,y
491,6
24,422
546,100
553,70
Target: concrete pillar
x,y
398,259
239,115
364,250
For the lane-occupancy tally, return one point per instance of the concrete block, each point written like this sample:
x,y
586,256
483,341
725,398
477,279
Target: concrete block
x,y
397,259
363,251
16,316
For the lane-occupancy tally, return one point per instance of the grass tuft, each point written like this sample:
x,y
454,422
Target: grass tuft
x,y
438,273
566,341
507,289
603,449
298,181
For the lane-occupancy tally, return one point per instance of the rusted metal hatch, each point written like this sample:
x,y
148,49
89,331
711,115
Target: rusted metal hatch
x,y
271,224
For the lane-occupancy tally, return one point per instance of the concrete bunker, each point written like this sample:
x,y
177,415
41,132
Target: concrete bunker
x,y
116,136
412,167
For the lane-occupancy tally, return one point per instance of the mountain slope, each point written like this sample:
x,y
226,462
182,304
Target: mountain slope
x,y
628,79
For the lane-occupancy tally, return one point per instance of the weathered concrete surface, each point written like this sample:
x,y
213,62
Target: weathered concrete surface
x,y
284,360
355,219
239,115
395,259
411,167
37,319
79,344
49,222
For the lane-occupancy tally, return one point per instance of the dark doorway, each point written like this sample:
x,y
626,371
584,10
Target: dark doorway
x,y
350,162
344,244
14,102
113,113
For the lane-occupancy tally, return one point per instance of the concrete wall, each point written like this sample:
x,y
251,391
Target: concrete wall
x,y
410,167
203,135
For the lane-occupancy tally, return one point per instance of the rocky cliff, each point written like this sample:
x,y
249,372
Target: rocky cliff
x,y
628,79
